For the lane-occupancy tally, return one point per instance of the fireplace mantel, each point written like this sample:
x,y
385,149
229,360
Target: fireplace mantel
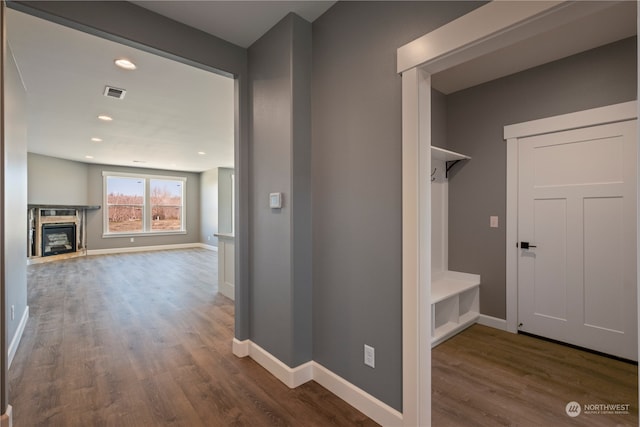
x,y
79,207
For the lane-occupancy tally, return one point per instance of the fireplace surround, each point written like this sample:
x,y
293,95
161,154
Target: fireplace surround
x,y
57,232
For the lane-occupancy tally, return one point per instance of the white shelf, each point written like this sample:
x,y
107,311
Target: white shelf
x,y
450,283
455,304
438,153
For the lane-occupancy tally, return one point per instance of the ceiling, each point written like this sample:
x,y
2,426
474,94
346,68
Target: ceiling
x,y
172,111
239,22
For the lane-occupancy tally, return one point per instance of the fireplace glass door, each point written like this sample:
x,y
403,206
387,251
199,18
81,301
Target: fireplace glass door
x,y
58,239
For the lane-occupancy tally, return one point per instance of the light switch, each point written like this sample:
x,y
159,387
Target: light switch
x,y
275,200
493,221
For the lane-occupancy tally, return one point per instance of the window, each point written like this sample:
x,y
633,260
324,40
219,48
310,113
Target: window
x,y
146,204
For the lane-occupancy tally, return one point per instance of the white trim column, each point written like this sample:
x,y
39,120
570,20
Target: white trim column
x,y
416,243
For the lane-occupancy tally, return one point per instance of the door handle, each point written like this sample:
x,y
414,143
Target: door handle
x,y
526,245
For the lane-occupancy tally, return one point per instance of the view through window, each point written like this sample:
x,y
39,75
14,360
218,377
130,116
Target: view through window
x,y
143,204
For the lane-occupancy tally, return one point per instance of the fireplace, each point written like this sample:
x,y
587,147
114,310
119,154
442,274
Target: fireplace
x,y
58,239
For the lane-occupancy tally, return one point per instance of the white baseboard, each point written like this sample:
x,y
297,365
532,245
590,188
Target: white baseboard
x,y
228,290
6,419
15,341
240,348
208,247
375,409
143,248
492,322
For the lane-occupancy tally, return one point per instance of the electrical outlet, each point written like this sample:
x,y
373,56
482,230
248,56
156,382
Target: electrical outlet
x,y
208,237
369,356
132,240
493,221
13,312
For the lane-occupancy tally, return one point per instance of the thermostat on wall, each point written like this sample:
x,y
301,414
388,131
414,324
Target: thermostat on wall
x,y
275,200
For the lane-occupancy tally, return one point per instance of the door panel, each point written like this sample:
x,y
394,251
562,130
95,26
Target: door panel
x,y
577,208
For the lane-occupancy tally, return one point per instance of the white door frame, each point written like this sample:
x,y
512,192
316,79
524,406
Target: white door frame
x,y
485,29
577,120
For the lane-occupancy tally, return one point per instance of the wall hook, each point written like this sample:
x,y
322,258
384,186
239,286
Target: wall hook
x,y
433,174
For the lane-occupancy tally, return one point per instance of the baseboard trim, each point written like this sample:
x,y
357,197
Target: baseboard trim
x,y
15,341
492,322
375,409
228,290
6,419
240,348
208,247
143,249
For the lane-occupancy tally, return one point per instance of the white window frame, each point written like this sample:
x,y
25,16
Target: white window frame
x,y
146,216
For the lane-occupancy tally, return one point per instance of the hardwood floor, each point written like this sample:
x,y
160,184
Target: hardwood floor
x,y
144,339
487,377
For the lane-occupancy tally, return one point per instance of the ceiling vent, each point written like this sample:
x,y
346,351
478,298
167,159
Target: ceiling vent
x,y
114,92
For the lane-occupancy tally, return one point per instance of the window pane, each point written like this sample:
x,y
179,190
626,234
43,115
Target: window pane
x,y
166,204
125,219
125,201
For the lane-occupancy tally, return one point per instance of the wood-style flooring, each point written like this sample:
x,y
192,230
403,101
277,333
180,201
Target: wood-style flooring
x,y
487,377
144,339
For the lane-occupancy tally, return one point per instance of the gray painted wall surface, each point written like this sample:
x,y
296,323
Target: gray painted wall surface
x,y
225,198
57,181
438,119
209,207
15,197
475,121
279,133
95,218
357,186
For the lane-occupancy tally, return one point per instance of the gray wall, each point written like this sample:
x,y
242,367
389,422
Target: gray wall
x,y
225,223
475,121
57,181
280,260
357,186
95,218
209,207
15,197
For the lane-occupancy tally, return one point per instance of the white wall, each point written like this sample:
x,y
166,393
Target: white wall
x,y
209,207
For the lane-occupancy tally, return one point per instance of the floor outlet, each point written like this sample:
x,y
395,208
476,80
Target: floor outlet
x,y
369,356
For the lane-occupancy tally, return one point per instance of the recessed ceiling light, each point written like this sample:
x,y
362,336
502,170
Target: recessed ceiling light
x,y
125,63
202,153
105,118
96,139
88,157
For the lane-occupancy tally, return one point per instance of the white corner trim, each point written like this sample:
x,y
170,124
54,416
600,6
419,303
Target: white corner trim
x,y
512,236
142,249
207,247
375,409
240,348
6,419
592,117
227,289
15,341
492,322
291,377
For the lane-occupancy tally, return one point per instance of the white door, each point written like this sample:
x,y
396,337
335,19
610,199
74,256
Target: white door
x,y
577,211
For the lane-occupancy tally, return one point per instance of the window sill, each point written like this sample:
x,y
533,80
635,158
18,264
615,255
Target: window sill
x,y
143,234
